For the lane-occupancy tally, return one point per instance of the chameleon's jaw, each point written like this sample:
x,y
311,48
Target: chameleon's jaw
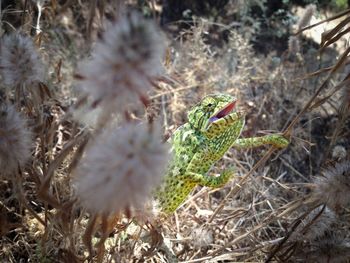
x,y
223,112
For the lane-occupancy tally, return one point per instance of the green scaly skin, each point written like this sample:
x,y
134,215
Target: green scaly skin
x,y
200,143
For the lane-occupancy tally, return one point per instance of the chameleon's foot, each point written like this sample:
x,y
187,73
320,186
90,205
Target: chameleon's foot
x,y
214,181
278,140
225,176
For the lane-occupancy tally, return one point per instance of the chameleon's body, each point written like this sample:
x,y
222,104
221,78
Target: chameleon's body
x,y
213,127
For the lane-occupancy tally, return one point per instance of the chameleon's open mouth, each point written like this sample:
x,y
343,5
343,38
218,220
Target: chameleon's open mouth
x,y
223,112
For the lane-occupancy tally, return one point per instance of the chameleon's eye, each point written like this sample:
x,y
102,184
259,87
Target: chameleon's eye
x,y
210,104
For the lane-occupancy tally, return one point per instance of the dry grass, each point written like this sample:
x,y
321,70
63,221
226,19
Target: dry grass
x,y
271,211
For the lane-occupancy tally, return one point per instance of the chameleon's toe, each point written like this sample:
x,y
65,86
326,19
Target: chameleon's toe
x,y
280,141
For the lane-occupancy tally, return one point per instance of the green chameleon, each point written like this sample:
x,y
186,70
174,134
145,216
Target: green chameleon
x,y
213,127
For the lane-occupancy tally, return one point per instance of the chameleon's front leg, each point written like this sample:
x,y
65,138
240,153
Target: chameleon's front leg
x,y
276,140
212,181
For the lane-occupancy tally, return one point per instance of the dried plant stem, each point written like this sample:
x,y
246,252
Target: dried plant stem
x,y
101,244
59,158
235,190
295,205
18,182
92,13
343,13
319,102
90,229
344,114
24,202
24,12
40,8
340,62
292,230
229,244
66,4
174,90
320,71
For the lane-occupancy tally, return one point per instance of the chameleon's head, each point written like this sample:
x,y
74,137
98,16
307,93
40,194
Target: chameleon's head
x,y
211,109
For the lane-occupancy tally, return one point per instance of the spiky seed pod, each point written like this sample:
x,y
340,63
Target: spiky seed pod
x,y
121,168
306,18
129,53
333,186
19,60
15,140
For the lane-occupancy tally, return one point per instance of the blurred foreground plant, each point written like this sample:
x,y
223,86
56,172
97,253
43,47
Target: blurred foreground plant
x,y
123,160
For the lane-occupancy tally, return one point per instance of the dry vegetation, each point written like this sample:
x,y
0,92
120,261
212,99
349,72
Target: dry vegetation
x,y
83,97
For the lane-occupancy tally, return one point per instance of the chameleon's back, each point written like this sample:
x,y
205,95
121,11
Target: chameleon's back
x,y
176,186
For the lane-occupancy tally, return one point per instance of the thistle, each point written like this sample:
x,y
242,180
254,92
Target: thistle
x,y
20,62
333,186
15,140
123,61
120,168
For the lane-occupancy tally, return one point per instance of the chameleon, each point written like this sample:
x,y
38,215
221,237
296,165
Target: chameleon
x,y
213,127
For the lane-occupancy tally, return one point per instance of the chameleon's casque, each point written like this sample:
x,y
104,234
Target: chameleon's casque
x,y
213,127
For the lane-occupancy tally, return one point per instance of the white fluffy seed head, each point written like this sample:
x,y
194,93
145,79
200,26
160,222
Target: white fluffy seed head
x,y
20,62
129,53
15,140
121,168
333,186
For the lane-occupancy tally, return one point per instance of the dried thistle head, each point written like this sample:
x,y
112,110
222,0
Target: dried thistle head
x,y
121,168
15,140
129,53
20,62
333,186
